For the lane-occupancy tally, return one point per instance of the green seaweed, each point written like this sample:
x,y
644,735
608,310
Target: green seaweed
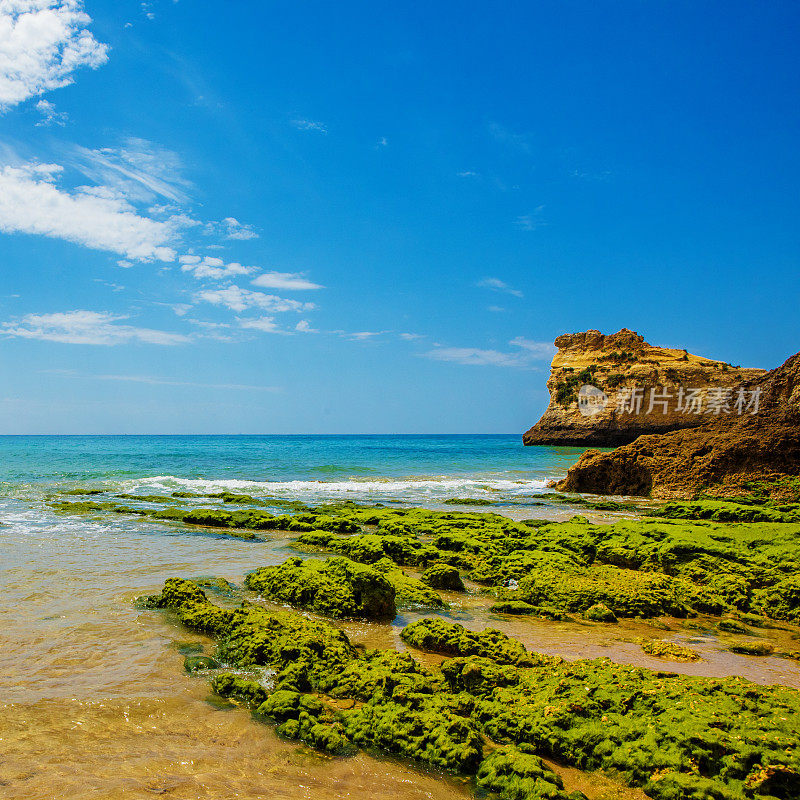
x,y
443,576
674,736
337,587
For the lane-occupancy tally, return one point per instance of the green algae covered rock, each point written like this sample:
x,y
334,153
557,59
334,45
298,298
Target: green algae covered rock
x,y
722,511
337,587
199,663
675,736
656,730
478,676
521,607
409,592
304,717
443,576
781,601
513,775
670,650
513,607
250,692
420,726
599,612
752,648
366,548
626,593
732,626
438,636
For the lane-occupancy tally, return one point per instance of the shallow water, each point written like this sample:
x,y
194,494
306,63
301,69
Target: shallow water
x,y
95,702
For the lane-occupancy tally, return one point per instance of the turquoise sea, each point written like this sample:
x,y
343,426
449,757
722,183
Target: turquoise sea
x,y
407,468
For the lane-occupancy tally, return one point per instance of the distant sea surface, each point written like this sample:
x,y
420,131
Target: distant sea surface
x,y
370,468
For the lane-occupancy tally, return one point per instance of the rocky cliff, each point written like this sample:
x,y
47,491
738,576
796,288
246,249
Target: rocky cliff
x,y
638,389
720,457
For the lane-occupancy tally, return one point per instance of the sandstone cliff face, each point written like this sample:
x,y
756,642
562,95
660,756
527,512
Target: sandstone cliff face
x,y
643,390
717,457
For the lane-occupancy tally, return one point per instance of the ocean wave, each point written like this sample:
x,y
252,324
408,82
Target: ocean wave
x,y
407,488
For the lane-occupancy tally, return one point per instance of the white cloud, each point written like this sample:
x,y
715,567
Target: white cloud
x,y
304,326
214,268
475,356
49,115
531,351
139,170
42,42
309,125
94,217
495,284
263,324
289,281
154,381
360,336
238,299
467,173
236,230
86,327
543,350
411,337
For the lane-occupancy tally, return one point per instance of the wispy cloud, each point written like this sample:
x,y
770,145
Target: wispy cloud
x,y
42,43
411,337
263,324
238,299
534,350
496,285
467,173
359,336
289,281
473,356
309,125
304,326
532,221
94,217
49,115
139,170
210,267
152,380
87,327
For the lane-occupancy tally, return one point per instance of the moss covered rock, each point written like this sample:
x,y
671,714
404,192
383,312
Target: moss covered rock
x,y
599,612
337,587
670,650
438,636
443,576
511,774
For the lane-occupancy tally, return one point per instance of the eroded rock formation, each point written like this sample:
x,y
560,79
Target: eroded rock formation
x,y
642,390
720,457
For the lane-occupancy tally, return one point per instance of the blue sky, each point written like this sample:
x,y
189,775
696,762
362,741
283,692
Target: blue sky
x,y
322,217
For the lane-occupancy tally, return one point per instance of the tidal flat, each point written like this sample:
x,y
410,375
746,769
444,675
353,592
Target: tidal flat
x,y
602,656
